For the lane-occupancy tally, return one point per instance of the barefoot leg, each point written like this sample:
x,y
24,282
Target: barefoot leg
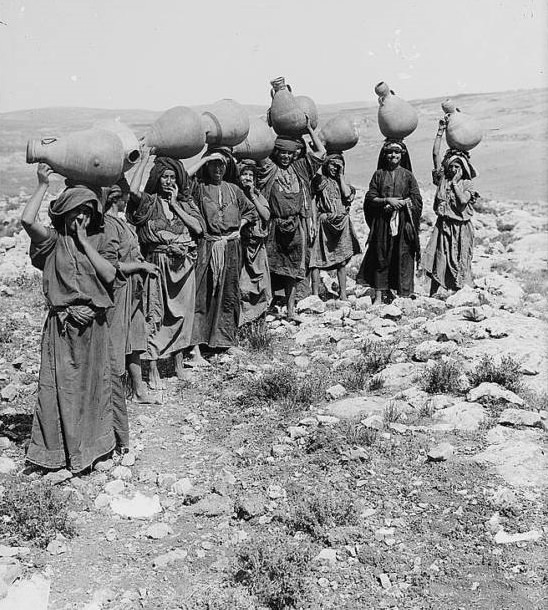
x,y
315,275
290,289
154,380
140,395
378,297
341,276
196,358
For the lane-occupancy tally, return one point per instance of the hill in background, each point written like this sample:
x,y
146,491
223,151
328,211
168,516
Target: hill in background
x,y
511,160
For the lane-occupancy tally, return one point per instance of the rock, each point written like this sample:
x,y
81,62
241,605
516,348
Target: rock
x,y
327,555
128,459
502,537
5,442
182,487
275,492
165,480
429,350
460,416
391,312
137,507
504,499
7,465
376,422
57,546
520,417
9,393
170,557
102,501
311,304
327,420
360,406
302,362
104,465
114,488
213,505
357,314
297,432
401,376
13,551
122,472
57,477
497,328
10,570
28,594
158,531
500,291
385,581
441,452
363,303
465,297
517,455
251,504
336,391
494,391
313,334
530,253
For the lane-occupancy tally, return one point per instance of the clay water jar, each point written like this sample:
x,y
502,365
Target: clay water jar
x,y
93,156
308,106
339,133
397,118
259,143
225,123
177,133
285,115
132,152
462,131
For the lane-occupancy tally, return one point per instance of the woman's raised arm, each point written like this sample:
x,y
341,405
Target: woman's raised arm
x,y
36,230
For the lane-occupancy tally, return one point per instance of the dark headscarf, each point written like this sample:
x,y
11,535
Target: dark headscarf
x,y
231,173
390,144
463,158
289,143
161,164
71,198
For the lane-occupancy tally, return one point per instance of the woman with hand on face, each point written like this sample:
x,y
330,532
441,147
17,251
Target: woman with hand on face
x,y
284,180
336,241
255,289
392,209
225,210
447,259
167,223
73,424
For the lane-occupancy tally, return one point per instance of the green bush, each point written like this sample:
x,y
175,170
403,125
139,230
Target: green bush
x,y
275,568
33,512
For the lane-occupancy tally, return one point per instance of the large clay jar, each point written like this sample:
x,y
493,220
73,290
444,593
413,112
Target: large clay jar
x,y
225,123
94,156
339,133
462,132
286,116
132,152
259,143
177,133
397,118
308,106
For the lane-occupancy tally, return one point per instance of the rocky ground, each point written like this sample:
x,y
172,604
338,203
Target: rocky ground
x,y
372,457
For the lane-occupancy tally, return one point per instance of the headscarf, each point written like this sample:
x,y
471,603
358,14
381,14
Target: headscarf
x,y
288,143
463,158
332,157
247,164
71,198
231,173
391,144
161,164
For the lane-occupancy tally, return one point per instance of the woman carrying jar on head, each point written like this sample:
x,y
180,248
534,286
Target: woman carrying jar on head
x,y
447,259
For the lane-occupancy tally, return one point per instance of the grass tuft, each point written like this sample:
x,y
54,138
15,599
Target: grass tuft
x,y
505,372
256,336
443,377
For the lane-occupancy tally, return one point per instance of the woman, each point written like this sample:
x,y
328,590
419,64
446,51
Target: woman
x,y
448,256
255,290
226,211
126,319
392,209
72,425
284,180
166,220
335,242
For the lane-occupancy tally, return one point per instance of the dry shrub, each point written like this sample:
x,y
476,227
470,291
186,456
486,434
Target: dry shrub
x,y
505,372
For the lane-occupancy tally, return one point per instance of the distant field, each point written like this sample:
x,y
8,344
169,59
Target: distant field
x,y
512,159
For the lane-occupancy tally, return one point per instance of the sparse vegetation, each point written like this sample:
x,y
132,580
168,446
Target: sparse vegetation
x,y
444,376
274,568
505,372
392,413
256,336
33,512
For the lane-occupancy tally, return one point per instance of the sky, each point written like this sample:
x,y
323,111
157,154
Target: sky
x,y
154,54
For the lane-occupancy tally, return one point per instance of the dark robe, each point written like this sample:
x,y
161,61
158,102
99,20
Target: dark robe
x,y
389,262
218,265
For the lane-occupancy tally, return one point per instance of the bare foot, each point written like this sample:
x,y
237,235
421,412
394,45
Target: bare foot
x,y
155,382
196,359
143,398
179,365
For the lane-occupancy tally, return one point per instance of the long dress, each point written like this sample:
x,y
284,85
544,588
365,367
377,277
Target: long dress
x,y
169,297
218,265
72,425
287,192
448,255
393,241
255,287
126,319
336,241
